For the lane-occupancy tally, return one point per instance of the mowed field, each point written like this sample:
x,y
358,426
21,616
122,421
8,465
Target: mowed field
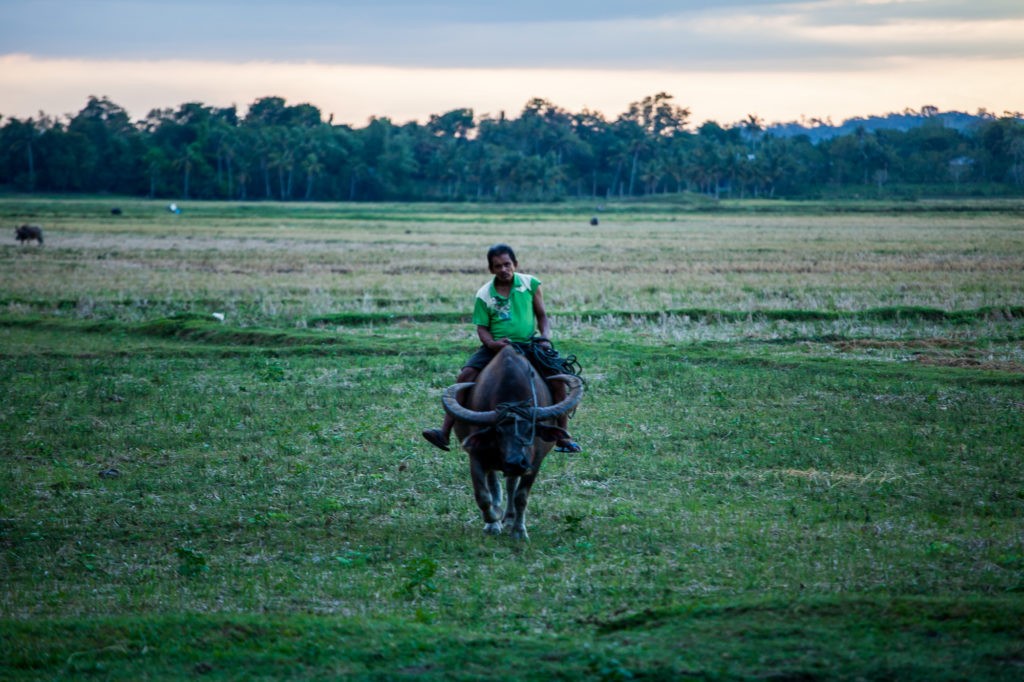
x,y
802,438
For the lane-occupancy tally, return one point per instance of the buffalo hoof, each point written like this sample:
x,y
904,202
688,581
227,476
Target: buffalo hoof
x,y
494,528
520,534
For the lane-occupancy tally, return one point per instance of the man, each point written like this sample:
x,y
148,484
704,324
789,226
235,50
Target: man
x,y
508,309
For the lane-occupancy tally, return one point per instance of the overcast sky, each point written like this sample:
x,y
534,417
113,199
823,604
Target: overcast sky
x,y
407,60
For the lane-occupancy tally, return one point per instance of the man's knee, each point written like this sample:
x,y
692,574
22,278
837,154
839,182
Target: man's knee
x,y
467,374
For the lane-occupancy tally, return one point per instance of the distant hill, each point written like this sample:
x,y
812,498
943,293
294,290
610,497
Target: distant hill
x,y
818,130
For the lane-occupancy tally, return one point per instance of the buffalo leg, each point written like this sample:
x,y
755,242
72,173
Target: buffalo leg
x,y
511,485
494,485
484,498
519,500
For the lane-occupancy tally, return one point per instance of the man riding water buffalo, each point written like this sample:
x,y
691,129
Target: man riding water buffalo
x,y
505,421
509,311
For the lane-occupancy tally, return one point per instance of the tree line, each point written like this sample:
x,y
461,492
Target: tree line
x,y
283,152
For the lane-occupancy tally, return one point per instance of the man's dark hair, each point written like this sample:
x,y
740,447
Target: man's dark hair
x,y
499,249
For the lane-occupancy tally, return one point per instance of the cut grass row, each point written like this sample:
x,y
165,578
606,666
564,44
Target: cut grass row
x,y
816,638
994,344
178,323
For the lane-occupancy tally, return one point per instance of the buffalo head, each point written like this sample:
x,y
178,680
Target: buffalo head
x,y
512,428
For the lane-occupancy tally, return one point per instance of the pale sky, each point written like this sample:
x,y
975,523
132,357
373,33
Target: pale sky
x,y
406,60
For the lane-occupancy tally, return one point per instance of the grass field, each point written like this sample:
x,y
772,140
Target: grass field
x,y
802,444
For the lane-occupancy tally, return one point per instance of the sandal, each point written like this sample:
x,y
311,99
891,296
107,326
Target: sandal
x,y
436,438
568,446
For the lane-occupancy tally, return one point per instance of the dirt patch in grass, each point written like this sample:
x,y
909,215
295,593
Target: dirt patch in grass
x,y
938,352
970,363
909,344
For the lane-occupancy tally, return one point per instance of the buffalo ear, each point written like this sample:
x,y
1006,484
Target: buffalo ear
x,y
476,438
551,434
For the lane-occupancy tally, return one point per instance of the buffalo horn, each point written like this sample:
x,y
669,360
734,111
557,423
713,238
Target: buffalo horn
x,y
452,405
570,401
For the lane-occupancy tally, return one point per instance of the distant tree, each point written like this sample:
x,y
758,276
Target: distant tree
x,y
111,160
775,164
266,112
443,152
18,147
1017,157
997,144
658,116
591,157
155,161
644,131
455,124
286,152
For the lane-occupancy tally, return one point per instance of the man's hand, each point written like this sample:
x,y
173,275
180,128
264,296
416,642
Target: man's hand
x,y
497,344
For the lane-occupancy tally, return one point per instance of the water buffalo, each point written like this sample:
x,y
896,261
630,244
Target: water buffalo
x,y
505,421
28,233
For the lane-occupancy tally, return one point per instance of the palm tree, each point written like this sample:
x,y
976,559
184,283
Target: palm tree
x,y
189,156
283,160
155,161
21,135
312,167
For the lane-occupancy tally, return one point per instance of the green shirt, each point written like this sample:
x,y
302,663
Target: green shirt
x,y
508,318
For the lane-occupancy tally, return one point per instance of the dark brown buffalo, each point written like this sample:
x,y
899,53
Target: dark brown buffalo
x,y
28,233
505,421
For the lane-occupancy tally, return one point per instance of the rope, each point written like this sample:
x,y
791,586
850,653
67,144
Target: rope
x,y
522,408
527,417
547,360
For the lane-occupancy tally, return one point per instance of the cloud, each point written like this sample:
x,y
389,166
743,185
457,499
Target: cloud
x,y
736,34
355,93
407,59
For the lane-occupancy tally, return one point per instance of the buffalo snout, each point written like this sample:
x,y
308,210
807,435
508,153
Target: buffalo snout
x,y
517,465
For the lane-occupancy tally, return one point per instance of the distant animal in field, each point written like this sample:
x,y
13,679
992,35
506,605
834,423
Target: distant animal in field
x,y
115,211
594,221
28,233
507,424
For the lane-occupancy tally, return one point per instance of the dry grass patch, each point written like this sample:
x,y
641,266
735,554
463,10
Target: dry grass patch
x,y
831,478
971,363
412,257
944,352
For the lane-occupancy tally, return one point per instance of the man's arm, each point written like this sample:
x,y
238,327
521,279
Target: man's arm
x,y
487,338
543,323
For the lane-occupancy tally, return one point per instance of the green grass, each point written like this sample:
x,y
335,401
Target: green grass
x,y
824,492
741,639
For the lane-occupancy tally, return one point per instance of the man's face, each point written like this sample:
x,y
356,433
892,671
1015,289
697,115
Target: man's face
x,y
503,268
